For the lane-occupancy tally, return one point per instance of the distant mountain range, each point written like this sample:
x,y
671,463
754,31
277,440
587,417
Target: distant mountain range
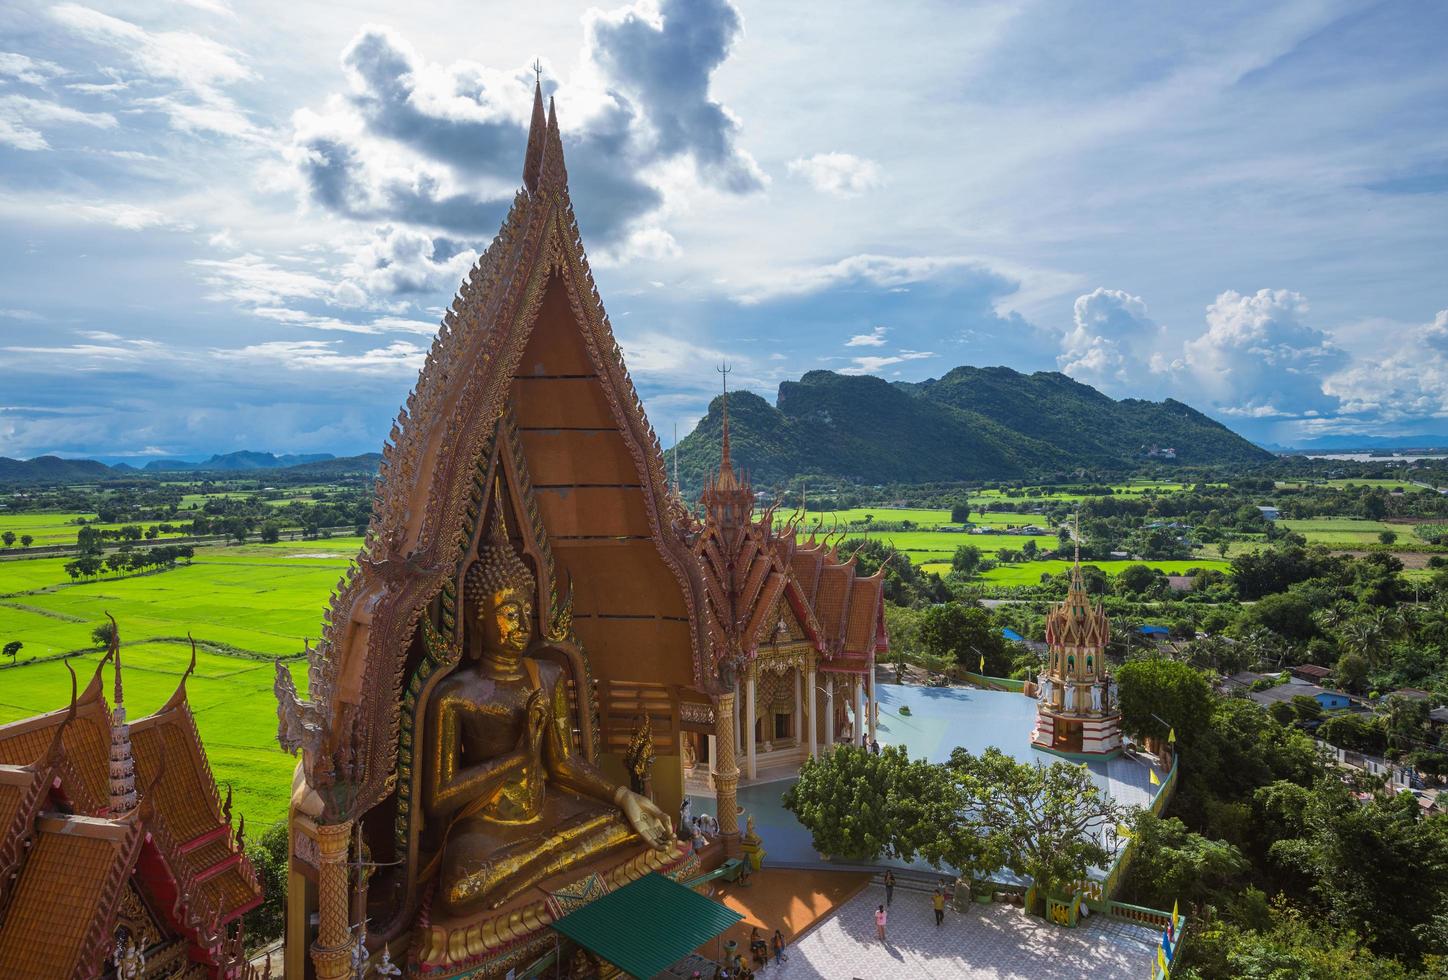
x,y
973,423
242,460
53,469
1349,444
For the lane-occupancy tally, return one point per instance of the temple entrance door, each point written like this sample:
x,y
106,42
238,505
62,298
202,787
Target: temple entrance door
x,y
1068,735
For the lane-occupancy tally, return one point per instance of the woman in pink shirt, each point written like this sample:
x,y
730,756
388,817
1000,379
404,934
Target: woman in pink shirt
x,y
880,916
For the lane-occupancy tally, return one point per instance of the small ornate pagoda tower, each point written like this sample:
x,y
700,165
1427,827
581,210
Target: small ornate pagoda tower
x,y
1077,714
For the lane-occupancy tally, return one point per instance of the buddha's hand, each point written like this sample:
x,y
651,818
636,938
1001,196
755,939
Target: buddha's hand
x,y
647,820
536,714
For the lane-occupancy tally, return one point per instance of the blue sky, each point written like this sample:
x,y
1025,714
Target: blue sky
x,y
233,225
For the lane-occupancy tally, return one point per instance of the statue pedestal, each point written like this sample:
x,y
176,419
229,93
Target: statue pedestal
x,y
511,935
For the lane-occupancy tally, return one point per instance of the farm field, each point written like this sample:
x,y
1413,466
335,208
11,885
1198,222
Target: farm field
x,y
1343,532
48,529
258,598
1030,572
230,696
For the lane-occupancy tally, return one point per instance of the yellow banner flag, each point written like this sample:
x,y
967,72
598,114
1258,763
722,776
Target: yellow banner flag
x,y
1171,736
1173,914
1154,780
1122,830
1161,962
982,663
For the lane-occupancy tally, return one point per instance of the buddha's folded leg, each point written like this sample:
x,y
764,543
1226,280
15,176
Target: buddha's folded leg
x,y
482,871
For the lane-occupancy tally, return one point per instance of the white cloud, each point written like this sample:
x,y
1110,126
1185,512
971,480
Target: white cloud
x,y
312,321
872,364
255,281
875,338
1110,345
840,174
31,71
877,270
197,64
20,117
131,217
660,355
1258,358
398,357
1408,380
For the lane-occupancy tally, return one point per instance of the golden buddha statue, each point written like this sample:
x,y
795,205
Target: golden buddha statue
x,y
518,804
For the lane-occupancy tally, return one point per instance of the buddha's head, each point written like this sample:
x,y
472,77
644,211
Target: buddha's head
x,y
499,591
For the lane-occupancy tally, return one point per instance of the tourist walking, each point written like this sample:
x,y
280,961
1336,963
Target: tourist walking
x,y
880,916
938,900
889,887
776,942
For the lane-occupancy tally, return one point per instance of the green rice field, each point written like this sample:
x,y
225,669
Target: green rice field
x,y
1344,532
255,599
1030,572
49,529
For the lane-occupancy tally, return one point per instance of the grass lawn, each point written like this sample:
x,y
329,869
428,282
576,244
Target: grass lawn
x,y
230,696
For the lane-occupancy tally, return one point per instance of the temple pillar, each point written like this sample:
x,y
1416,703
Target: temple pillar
x,y
811,723
829,711
713,742
332,951
857,734
726,774
798,707
872,709
749,764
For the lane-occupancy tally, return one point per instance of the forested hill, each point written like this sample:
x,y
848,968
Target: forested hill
x,y
973,423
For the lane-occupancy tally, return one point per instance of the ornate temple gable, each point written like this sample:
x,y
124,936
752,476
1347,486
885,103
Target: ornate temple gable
x,y
349,730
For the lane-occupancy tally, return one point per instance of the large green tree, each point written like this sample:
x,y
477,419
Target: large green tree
x,y
965,633
1158,695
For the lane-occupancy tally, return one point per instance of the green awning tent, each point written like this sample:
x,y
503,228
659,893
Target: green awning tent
x,y
647,925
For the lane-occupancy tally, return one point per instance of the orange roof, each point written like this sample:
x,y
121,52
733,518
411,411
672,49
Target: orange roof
x,y
86,741
832,607
864,615
71,879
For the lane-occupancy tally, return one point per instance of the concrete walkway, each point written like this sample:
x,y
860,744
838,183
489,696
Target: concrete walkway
x,y
989,941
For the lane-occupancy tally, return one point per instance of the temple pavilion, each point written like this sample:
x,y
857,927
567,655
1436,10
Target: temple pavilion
x,y
1077,714
117,856
720,633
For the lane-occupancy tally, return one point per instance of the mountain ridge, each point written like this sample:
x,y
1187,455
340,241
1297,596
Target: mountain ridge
x,y
970,423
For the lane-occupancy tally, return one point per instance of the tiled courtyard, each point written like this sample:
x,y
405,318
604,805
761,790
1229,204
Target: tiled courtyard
x,y
989,941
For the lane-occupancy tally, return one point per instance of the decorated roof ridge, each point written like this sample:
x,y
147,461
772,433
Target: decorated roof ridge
x,y
56,752
533,157
178,696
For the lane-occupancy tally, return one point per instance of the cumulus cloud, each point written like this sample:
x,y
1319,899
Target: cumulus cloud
x,y
887,271
412,142
1258,359
1110,344
398,357
840,174
662,56
1410,381
875,338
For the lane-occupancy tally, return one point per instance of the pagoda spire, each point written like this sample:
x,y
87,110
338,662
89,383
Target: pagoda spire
x,y
725,463
122,762
537,131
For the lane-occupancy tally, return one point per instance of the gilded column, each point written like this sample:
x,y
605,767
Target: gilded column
x,y
726,774
811,701
749,724
332,951
798,707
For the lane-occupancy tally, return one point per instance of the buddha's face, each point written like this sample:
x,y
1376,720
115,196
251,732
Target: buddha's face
x,y
507,622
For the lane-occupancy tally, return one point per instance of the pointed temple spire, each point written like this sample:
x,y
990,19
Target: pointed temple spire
x,y
725,463
533,158
122,762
